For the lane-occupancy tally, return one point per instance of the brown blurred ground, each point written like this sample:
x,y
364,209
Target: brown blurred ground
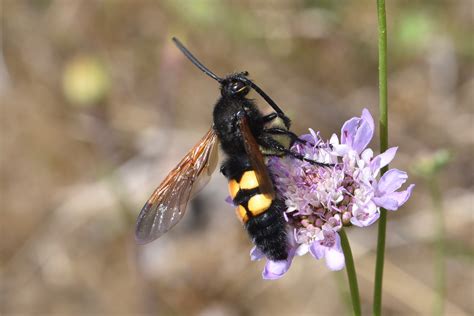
x,y
77,162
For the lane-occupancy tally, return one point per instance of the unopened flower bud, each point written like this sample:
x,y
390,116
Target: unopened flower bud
x,y
346,218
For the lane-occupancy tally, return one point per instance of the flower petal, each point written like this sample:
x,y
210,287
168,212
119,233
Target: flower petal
x,y
391,181
367,155
334,140
308,138
256,254
362,137
366,216
335,260
229,200
276,269
403,196
315,135
386,202
371,218
335,257
317,250
383,159
394,200
349,130
302,249
358,132
366,116
341,150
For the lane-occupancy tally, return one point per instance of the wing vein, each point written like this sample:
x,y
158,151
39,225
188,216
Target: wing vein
x,y
167,204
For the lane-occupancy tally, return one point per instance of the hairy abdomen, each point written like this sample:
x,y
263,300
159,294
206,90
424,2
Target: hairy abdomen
x,y
261,215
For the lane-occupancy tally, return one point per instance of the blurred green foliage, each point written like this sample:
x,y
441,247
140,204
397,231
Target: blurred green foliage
x,y
428,166
414,31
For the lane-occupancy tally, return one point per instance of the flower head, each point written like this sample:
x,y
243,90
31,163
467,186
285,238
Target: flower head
x,y
321,199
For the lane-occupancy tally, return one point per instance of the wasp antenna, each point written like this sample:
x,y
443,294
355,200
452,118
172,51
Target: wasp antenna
x,y
194,60
264,96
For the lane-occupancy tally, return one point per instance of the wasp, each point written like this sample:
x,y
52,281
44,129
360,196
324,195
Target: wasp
x,y
248,138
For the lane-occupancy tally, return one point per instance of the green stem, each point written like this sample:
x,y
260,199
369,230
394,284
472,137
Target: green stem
x,y
438,307
379,263
383,125
351,273
343,291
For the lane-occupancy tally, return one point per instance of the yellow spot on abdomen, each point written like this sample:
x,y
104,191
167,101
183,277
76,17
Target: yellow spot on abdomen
x,y
248,180
241,213
233,188
259,203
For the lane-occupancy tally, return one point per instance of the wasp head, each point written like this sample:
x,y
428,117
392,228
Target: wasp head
x,y
235,85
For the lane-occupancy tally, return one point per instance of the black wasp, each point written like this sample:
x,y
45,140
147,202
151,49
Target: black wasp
x,y
246,137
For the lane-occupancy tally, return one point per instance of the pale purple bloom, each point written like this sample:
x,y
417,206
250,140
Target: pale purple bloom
x,y
329,248
320,200
386,195
273,269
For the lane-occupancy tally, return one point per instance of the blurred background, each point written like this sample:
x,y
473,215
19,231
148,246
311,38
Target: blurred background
x,y
98,105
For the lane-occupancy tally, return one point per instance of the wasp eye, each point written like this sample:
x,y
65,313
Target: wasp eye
x,y
237,86
234,87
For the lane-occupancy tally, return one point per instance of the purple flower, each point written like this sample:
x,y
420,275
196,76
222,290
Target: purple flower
x,y
386,195
329,248
357,132
273,269
320,200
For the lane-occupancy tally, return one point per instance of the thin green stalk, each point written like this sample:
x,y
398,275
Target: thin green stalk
x,y
438,307
343,291
383,125
351,273
379,263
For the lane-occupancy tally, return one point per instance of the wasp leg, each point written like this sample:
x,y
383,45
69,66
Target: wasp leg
x,y
271,143
270,117
281,131
293,136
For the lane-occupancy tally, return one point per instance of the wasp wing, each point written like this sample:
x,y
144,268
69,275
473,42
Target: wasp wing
x,y
167,204
257,161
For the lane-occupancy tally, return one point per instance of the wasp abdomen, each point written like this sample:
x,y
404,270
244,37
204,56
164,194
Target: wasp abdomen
x,y
268,231
261,215
246,195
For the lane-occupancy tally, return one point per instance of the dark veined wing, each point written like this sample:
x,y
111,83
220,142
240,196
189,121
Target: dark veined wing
x,y
167,204
257,161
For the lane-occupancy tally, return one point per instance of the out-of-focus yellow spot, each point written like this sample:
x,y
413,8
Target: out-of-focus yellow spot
x,y
85,81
